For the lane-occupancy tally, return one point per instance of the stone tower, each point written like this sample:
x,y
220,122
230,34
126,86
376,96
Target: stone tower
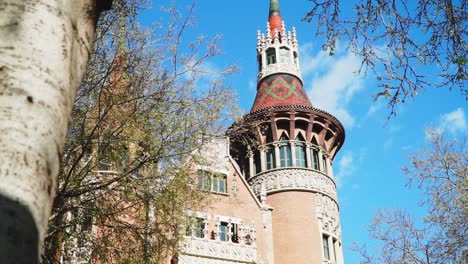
x,y
291,166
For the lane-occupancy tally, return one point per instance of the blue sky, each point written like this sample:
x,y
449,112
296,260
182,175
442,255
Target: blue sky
x,y
368,167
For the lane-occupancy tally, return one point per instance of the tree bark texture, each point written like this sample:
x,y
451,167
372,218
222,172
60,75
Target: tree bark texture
x,y
44,47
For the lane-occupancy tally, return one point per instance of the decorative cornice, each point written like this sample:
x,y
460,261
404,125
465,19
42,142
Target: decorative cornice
x,y
290,179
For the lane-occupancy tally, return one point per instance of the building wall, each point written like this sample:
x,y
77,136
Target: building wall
x,y
245,206
297,238
239,205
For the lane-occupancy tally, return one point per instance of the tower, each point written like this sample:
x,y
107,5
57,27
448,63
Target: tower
x,y
292,163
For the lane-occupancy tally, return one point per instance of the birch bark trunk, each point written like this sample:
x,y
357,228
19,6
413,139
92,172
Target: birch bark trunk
x,y
44,47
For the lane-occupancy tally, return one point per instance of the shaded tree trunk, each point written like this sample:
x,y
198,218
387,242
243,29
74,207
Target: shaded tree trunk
x,y
44,47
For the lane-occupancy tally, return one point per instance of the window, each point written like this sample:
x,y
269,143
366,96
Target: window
x,y
219,184
257,164
211,182
235,234
324,164
335,248
326,248
270,157
270,56
204,181
223,231
196,227
285,152
228,232
300,152
284,55
315,159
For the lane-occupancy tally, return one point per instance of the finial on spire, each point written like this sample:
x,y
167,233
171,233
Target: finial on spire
x,y
276,22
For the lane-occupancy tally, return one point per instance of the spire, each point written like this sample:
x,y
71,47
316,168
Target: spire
x,y
275,20
279,75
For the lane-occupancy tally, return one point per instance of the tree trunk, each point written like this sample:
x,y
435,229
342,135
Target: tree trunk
x,y
44,47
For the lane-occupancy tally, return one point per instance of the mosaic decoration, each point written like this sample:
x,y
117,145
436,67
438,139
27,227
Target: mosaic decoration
x,y
280,89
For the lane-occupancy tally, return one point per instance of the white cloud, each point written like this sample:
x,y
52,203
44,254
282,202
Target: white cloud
x,y
388,143
454,121
375,107
346,167
331,81
252,85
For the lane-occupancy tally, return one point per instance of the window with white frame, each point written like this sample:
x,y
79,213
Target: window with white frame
x,y
330,249
228,232
326,246
214,182
284,55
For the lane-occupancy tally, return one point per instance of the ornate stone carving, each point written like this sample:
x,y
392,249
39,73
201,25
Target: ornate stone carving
x,y
280,68
205,251
328,215
293,179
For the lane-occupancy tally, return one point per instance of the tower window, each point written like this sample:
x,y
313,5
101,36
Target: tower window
x,y
335,248
285,152
270,158
257,164
270,56
300,151
326,247
315,159
324,165
284,55
300,155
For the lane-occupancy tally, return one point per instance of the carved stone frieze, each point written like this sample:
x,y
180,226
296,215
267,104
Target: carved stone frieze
x,y
328,215
198,251
280,68
293,179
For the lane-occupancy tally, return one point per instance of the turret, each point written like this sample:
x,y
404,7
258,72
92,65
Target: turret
x,y
292,160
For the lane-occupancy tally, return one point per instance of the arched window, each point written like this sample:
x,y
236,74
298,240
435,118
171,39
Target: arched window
x,y
270,157
284,55
295,57
300,151
285,152
270,56
315,158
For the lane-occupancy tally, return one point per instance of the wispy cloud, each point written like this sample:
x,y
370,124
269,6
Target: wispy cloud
x,y
454,121
345,168
388,143
331,81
